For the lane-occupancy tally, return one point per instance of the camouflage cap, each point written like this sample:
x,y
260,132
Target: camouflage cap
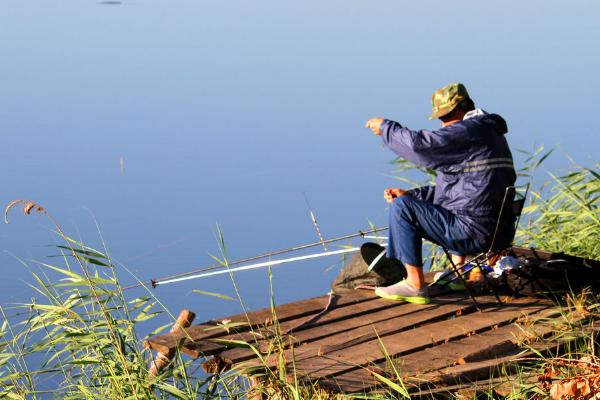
x,y
445,99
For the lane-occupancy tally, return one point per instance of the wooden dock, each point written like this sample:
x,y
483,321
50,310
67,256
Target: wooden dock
x,y
359,338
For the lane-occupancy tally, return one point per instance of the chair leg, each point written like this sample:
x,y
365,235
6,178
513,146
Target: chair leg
x,y
479,265
471,294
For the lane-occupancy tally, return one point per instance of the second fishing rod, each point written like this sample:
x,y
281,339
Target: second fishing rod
x,y
156,281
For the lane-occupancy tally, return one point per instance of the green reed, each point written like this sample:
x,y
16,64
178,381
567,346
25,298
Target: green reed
x,y
79,337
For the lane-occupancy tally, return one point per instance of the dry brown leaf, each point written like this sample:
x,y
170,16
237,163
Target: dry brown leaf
x,y
8,207
587,363
551,372
571,388
28,207
545,379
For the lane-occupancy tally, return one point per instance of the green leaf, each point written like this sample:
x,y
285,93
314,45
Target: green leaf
x,y
542,158
233,343
91,260
78,244
221,296
393,385
172,390
89,253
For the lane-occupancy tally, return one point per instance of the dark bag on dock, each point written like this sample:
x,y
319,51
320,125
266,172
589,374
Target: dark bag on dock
x,y
544,276
385,272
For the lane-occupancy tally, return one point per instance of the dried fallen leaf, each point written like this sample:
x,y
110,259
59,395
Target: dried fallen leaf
x,y
545,379
586,362
571,388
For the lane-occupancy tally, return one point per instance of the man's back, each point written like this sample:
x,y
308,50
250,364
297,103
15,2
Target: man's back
x,y
473,162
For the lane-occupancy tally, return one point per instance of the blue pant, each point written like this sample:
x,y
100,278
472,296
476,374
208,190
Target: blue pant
x,y
412,220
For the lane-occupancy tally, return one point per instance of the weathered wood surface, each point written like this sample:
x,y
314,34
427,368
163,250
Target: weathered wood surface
x,y
197,336
363,331
447,342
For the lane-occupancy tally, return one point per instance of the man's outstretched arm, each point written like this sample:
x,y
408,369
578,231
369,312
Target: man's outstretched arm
x,y
423,148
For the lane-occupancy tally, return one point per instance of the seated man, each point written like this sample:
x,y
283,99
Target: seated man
x,y
474,166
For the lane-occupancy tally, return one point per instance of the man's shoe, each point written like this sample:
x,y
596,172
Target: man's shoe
x,y
404,291
449,279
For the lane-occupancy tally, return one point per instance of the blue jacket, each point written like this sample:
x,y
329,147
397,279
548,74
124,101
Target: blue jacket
x,y
474,166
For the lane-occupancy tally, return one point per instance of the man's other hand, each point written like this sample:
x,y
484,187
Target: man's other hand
x,y
374,124
390,194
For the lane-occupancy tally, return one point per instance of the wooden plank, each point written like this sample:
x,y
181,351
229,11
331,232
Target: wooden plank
x,y
346,356
260,335
363,319
418,315
490,344
365,332
340,321
471,372
362,329
211,329
334,314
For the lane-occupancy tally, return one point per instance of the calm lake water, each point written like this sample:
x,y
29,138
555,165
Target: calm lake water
x,y
162,119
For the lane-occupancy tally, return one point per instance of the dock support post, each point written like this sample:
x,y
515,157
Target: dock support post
x,y
184,320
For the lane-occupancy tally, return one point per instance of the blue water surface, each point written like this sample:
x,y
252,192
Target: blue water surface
x,y
162,120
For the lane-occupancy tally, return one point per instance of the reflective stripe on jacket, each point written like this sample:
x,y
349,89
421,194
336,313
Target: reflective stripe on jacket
x,y
473,162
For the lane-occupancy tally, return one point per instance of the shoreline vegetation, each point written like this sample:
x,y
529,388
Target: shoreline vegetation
x,y
80,337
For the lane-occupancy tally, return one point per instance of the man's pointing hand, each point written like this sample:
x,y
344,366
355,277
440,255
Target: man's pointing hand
x,y
374,124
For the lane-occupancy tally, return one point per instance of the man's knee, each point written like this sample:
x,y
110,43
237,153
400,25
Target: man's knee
x,y
402,206
402,202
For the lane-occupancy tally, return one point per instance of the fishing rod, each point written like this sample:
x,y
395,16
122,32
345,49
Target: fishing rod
x,y
157,281
269,263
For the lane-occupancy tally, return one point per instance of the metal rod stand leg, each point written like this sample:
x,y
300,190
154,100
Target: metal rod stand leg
x,y
471,294
487,281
